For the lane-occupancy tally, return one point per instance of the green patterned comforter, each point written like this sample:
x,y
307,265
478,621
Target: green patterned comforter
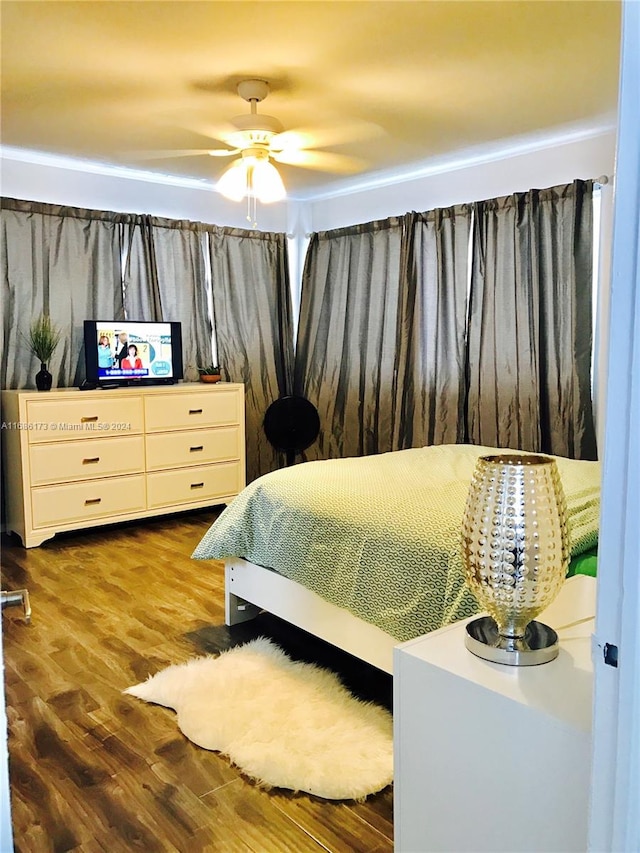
x,y
379,535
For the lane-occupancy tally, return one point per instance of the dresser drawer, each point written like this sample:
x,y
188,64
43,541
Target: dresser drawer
x,y
192,447
204,483
53,420
190,411
77,502
85,460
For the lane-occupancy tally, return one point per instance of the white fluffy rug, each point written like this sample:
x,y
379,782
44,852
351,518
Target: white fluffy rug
x,y
284,723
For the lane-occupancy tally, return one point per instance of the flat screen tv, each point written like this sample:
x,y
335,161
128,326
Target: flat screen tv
x,y
129,352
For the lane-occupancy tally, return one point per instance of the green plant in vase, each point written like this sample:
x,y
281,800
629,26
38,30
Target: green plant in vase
x,y
43,339
209,373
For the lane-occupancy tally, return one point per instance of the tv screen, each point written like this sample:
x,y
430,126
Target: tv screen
x,y
126,352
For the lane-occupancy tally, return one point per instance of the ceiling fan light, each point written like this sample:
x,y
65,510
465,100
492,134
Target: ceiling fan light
x,y
252,176
267,183
233,183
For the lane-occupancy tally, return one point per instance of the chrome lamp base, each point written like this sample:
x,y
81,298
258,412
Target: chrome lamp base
x,y
17,597
539,644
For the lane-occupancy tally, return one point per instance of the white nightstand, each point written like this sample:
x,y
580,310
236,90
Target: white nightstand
x,y
491,757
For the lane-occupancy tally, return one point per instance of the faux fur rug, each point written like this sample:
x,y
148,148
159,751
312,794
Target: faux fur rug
x,y
284,723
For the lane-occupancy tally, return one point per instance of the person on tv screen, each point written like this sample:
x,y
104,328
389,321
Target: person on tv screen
x,y
105,359
132,362
122,348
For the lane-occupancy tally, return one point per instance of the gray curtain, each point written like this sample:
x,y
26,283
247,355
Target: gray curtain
x,y
78,264
346,348
429,392
166,279
254,328
140,272
60,261
530,322
381,338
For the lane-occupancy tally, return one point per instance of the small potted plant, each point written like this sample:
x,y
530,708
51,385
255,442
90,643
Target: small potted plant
x,y
43,338
209,373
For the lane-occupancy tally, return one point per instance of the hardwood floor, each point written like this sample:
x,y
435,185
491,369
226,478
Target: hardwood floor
x,y
93,770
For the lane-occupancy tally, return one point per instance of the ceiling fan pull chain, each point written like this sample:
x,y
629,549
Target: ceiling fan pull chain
x,y
251,200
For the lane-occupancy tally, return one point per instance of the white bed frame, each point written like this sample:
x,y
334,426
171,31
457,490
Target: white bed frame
x,y
250,588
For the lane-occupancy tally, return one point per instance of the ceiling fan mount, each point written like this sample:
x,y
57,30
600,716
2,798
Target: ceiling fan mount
x,y
253,90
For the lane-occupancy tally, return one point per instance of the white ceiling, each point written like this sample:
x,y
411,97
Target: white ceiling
x,y
389,83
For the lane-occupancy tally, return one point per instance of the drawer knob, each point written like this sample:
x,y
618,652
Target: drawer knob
x,y
193,449
91,461
195,411
197,485
90,501
90,420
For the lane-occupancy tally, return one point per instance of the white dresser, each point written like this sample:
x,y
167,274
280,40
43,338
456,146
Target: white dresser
x,y
75,459
491,757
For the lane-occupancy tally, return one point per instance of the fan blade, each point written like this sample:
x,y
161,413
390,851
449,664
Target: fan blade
x,y
326,136
171,153
222,131
324,161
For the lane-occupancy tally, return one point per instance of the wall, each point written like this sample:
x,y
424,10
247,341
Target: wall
x,y
499,169
6,833
615,777
512,166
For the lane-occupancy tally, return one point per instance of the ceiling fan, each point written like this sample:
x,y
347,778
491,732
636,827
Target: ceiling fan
x,y
260,139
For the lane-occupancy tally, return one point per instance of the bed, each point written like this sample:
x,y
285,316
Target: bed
x,y
364,552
